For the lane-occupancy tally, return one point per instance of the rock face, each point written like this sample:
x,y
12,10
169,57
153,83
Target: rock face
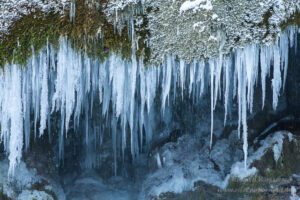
x,y
293,83
27,194
276,163
28,184
205,28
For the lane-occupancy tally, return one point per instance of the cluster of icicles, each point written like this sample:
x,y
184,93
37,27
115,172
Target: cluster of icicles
x,y
69,83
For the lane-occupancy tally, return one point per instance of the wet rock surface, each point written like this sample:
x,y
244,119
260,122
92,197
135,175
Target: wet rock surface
x,y
277,172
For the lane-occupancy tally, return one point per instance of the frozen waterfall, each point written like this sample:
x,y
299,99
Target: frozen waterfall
x,y
69,84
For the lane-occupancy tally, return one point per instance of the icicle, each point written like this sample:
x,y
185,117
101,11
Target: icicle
x,y
106,89
201,77
192,76
182,76
276,81
26,92
218,71
238,65
143,99
61,136
212,72
126,105
72,11
251,64
79,94
35,90
86,121
5,105
242,84
264,68
44,96
71,80
175,77
132,80
114,142
242,99
16,117
227,85
151,82
117,69
284,55
166,85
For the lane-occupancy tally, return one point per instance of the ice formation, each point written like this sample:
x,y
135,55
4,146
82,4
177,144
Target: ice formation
x,y
68,84
72,11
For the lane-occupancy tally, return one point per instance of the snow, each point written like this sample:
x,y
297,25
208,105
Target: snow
x,y
41,195
238,170
196,4
294,196
12,10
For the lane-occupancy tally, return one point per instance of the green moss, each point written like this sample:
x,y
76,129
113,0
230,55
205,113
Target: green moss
x,y
293,20
288,163
37,28
265,22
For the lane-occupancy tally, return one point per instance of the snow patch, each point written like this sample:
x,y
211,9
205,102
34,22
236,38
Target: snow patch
x,y
294,196
196,4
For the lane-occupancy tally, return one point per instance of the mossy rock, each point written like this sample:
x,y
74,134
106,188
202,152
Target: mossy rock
x,y
35,30
273,180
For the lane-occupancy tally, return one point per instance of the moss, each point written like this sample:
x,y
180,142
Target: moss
x,y
293,20
288,163
265,22
37,28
